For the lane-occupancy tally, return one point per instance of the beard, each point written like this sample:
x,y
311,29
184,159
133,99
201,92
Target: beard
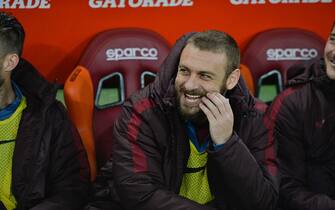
x,y
194,114
184,112
2,81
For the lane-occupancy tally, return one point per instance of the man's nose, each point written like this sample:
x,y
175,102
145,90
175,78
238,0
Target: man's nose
x,y
191,83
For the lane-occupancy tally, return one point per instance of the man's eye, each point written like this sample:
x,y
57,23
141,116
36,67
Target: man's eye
x,y
182,70
205,76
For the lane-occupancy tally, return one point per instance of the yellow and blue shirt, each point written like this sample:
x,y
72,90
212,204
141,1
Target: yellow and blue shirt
x,y
195,184
10,118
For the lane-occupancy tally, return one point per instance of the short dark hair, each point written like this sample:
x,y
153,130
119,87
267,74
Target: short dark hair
x,y
218,42
11,35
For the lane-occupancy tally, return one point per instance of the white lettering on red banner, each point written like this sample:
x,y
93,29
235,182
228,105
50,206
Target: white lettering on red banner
x,y
243,2
25,4
138,3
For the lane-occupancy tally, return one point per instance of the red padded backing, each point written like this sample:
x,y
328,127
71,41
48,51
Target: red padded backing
x,y
143,50
279,49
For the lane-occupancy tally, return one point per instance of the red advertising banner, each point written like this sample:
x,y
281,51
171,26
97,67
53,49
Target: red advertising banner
x,y
57,31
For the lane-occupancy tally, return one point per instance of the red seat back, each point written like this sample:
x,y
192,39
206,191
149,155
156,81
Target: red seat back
x,y
278,49
118,62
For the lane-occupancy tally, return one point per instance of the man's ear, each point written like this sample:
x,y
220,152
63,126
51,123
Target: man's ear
x,y
232,79
10,62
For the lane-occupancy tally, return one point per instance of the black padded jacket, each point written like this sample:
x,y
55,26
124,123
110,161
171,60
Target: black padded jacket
x,y
50,168
151,149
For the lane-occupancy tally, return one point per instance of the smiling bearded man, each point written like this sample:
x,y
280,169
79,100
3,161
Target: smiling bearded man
x,y
181,143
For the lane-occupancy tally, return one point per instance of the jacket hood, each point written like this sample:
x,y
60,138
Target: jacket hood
x,y
164,82
32,84
312,70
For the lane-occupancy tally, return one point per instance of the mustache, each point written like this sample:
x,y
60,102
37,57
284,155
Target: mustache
x,y
193,91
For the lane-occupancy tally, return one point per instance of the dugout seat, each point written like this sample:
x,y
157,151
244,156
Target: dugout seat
x,y
114,65
270,53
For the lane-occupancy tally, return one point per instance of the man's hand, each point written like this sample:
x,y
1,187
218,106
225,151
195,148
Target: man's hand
x,y
220,116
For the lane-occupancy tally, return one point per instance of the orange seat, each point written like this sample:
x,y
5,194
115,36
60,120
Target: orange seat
x,y
78,93
247,76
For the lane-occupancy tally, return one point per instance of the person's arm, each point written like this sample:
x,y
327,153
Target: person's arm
x,y
288,133
239,173
138,164
67,182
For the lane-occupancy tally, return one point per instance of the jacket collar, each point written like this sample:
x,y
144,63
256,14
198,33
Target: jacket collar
x,y
313,72
32,84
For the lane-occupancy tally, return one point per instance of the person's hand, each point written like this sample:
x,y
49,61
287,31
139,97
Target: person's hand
x,y
220,116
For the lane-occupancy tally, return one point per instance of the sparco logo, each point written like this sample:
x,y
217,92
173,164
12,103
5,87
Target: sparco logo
x,y
116,54
291,54
25,4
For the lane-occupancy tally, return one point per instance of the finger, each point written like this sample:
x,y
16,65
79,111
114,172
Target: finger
x,y
220,101
227,106
225,103
207,112
211,106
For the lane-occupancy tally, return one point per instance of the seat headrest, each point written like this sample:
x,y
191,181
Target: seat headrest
x,y
117,61
278,49
128,51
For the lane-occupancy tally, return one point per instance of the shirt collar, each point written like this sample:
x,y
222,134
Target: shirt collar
x,y
6,112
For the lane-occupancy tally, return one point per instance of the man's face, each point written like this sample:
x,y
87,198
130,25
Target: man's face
x,y
199,72
329,55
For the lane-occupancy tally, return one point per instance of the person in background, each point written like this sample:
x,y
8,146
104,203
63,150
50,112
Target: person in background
x,y
42,163
302,120
193,138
